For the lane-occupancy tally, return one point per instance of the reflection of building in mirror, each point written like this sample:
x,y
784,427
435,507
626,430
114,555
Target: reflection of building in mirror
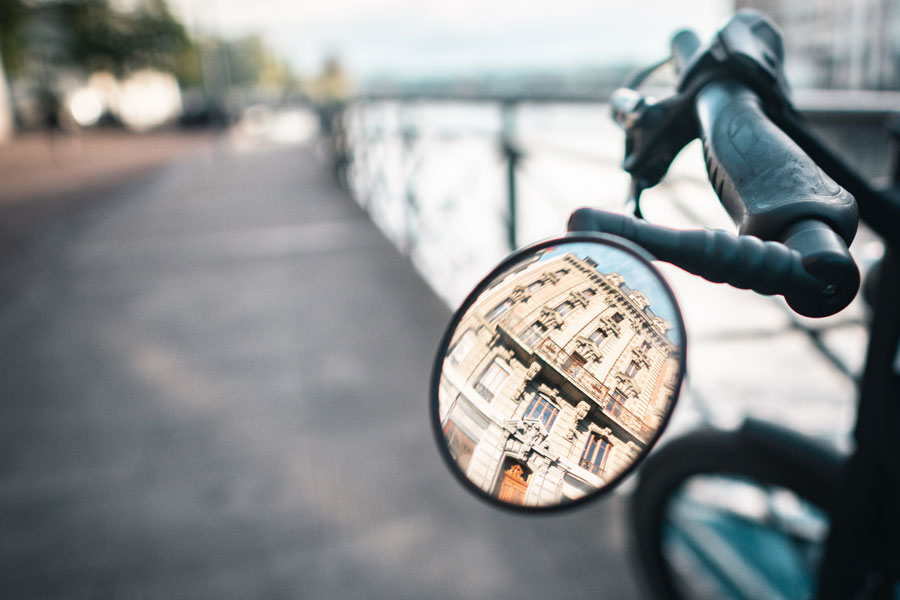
x,y
555,381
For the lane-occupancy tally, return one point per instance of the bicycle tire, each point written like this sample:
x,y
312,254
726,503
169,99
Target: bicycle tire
x,y
763,454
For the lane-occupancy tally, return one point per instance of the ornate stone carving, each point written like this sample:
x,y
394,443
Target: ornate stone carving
x,y
532,372
610,327
581,412
601,431
548,391
615,279
551,318
505,353
640,357
532,435
639,299
520,294
627,384
588,349
661,324
579,299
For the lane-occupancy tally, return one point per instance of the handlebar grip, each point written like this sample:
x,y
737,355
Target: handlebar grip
x,y
812,270
684,45
763,178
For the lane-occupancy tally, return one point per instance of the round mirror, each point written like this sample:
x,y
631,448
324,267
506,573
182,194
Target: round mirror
x,y
558,373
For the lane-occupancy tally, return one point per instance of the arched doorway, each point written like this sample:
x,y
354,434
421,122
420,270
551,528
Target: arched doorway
x,y
513,482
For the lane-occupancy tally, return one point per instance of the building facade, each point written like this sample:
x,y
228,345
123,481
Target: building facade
x,y
838,44
555,381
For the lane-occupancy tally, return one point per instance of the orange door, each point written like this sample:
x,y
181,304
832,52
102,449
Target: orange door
x,y
513,486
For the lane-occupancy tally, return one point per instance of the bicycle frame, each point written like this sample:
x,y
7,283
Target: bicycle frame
x,y
864,528
864,536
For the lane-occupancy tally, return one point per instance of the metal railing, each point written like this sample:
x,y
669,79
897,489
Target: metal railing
x,y
391,169
837,113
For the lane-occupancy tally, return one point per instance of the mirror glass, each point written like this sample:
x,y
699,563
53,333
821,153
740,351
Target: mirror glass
x,y
558,373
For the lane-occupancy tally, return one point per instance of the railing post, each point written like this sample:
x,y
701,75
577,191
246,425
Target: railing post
x,y
332,128
512,154
409,135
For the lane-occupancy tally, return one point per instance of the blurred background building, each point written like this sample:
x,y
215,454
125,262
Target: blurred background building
x,y
834,44
146,63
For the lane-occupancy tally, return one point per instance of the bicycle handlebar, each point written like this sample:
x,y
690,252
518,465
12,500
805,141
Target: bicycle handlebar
x,y
800,219
764,180
812,269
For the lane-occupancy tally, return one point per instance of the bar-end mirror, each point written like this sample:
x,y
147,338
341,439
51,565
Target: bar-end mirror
x,y
558,373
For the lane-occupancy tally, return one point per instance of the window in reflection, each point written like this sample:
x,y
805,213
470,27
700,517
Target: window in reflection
x,y
534,334
498,311
615,405
460,445
632,369
595,452
491,379
462,348
597,336
542,409
564,308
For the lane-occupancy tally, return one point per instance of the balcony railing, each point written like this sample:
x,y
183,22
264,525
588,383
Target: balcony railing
x,y
555,355
589,466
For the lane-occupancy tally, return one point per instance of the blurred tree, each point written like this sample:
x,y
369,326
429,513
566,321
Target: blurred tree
x,y
122,40
332,84
96,35
246,59
12,13
48,44
245,62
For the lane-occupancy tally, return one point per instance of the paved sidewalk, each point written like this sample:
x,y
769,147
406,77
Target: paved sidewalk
x,y
40,164
51,184
216,387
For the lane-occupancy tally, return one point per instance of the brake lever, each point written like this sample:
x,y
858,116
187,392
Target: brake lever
x,y
655,131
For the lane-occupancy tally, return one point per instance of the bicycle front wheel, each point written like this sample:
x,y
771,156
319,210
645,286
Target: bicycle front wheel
x,y
733,515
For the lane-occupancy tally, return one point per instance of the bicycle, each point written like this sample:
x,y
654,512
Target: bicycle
x,y
796,205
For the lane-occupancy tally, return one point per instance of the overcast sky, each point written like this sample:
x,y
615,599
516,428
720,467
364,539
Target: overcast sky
x,y
411,38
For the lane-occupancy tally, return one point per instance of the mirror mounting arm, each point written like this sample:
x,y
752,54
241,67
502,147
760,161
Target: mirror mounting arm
x,y
814,283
